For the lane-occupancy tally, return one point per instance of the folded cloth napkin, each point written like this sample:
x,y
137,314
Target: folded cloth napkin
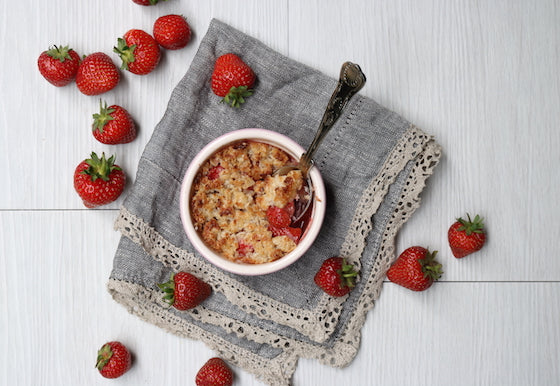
x,y
374,164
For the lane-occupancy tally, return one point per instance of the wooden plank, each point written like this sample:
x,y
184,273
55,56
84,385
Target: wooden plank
x,y
46,131
56,312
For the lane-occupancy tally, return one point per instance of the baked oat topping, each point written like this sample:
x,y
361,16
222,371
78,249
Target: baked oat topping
x,y
231,195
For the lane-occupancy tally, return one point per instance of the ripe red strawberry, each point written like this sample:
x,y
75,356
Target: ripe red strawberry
x,y
146,2
336,277
59,65
172,32
215,372
278,217
185,291
113,125
98,181
113,360
466,236
138,51
415,269
232,79
97,74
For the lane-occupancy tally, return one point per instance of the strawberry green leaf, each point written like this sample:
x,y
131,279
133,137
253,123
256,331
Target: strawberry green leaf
x,y
100,167
103,117
236,96
60,53
126,53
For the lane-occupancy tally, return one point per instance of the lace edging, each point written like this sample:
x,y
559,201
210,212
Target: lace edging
x,y
425,159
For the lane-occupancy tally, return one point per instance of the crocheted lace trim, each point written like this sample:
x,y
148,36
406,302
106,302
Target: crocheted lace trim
x,y
414,146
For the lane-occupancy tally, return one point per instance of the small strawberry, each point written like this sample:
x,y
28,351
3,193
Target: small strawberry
x,y
172,32
138,51
336,277
215,372
59,65
98,181
113,360
146,2
185,291
113,125
232,79
97,74
415,269
466,236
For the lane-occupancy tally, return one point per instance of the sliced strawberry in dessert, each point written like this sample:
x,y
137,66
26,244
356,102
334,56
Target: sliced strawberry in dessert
x,y
292,232
215,171
243,249
278,217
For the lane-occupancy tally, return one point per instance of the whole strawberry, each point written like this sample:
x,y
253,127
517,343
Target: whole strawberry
x,y
113,125
59,65
138,51
172,32
113,360
146,2
336,277
415,269
185,291
466,236
97,74
98,181
215,372
232,79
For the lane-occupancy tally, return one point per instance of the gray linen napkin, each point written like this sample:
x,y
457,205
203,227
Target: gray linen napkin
x,y
374,164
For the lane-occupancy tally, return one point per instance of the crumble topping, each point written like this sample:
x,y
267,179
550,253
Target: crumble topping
x,y
231,194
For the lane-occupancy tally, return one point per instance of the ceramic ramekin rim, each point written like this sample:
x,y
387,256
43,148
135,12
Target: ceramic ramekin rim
x,y
273,138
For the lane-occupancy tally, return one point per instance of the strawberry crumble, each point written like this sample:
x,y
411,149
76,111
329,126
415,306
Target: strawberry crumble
x,y
240,209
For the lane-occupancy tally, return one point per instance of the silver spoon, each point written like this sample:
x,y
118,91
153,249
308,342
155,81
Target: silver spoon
x,y
351,80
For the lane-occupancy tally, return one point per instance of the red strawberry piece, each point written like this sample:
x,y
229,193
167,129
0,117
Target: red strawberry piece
x,y
98,181
243,249
415,269
59,65
146,2
185,291
214,172
336,277
172,32
113,125
466,236
278,217
113,360
215,372
292,232
97,74
138,51
232,79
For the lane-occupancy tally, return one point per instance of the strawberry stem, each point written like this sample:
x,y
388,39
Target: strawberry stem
x,y
103,355
236,96
347,274
60,53
126,53
100,167
169,289
430,267
471,226
103,117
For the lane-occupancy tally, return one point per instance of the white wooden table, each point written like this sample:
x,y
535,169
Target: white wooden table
x,y
482,76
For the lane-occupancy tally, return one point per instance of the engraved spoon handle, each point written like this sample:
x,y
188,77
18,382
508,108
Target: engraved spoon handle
x,y
351,80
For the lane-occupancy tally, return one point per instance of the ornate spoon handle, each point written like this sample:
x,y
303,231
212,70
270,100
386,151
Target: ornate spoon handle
x,y
351,80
